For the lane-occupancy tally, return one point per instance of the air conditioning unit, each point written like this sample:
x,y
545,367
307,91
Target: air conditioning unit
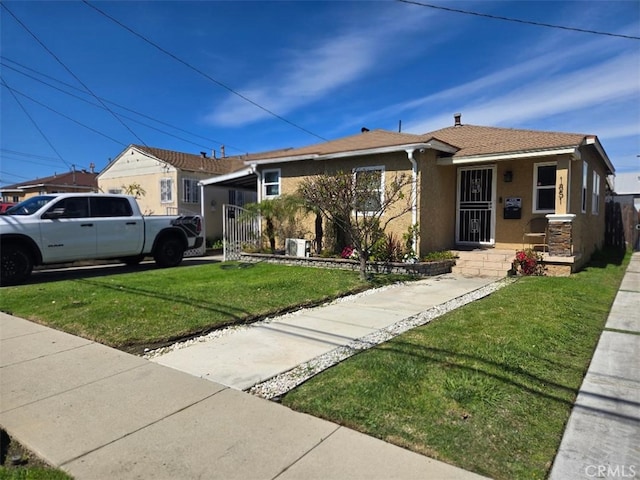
x,y
297,247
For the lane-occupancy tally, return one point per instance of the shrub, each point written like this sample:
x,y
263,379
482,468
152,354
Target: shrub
x,y
528,262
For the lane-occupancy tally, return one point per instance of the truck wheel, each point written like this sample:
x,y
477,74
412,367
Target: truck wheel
x,y
169,252
133,261
15,265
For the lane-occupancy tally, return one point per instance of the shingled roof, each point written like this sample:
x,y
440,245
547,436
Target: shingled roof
x,y
476,140
194,163
75,179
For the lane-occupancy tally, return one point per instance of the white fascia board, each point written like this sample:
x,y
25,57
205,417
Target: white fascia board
x,y
497,157
596,143
434,144
269,161
227,176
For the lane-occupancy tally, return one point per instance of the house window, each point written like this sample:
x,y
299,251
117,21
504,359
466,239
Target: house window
x,y
544,187
116,191
190,191
369,183
585,176
166,190
271,183
595,197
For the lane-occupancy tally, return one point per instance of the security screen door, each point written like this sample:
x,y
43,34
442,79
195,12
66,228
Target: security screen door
x,y
475,222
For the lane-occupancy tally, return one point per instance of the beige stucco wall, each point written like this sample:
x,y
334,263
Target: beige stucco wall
x,y
437,201
394,163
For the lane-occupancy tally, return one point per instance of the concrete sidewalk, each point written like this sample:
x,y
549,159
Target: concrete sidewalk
x,y
602,437
99,413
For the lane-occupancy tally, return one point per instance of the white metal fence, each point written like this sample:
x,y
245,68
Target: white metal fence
x,y
240,228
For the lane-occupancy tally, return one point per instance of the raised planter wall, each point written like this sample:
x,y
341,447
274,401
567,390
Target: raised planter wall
x,y
424,269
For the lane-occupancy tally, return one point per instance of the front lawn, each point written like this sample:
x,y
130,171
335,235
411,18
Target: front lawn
x,y
488,387
134,310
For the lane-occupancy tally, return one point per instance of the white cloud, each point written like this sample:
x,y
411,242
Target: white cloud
x,y
305,76
516,104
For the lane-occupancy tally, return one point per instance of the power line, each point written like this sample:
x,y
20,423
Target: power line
x,y
197,70
35,124
112,103
13,90
517,20
71,73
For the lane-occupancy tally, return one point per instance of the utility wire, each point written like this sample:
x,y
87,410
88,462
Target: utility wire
x,y
71,73
112,103
123,116
205,75
517,20
35,124
13,90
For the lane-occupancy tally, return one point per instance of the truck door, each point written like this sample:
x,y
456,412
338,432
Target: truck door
x,y
120,232
67,232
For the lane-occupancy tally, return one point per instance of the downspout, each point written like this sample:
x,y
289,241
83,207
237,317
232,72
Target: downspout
x,y
202,216
254,167
414,196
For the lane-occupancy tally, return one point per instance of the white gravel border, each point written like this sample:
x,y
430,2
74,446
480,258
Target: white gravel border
x,y
286,381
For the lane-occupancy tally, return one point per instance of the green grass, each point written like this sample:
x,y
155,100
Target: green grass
x,y
488,387
134,310
32,473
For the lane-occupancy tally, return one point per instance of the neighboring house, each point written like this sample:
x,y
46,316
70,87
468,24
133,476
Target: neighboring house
x,y
170,181
73,181
476,187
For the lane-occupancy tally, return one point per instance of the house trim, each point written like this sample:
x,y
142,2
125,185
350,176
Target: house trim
x,y
507,156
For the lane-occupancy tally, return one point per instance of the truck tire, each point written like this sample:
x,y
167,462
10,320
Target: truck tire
x,y
16,264
169,252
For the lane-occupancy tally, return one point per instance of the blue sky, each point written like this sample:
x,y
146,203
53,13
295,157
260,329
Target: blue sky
x,y
328,68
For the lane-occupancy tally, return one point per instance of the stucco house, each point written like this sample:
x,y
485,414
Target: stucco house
x,y
68,182
170,181
473,187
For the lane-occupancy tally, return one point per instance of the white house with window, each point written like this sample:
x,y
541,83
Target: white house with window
x,y
171,182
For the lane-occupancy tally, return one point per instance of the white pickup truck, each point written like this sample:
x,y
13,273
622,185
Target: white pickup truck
x,y
57,228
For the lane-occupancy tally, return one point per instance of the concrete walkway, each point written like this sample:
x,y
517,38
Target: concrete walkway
x,y
99,413
252,354
602,438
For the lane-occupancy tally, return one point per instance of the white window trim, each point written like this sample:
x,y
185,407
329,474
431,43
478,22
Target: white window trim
x,y
264,183
169,191
585,178
534,203
595,195
190,186
381,169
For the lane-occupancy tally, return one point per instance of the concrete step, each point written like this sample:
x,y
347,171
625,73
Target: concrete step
x,y
484,262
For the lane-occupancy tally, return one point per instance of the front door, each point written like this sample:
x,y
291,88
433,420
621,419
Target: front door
x,y
475,222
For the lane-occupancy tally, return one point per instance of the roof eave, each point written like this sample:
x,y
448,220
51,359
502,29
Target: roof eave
x,y
432,145
496,157
226,177
598,146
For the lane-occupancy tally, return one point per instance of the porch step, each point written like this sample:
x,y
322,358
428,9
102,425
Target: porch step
x,y
483,263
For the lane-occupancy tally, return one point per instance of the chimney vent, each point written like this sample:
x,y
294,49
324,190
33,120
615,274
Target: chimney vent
x,y
222,153
457,119
203,154
364,129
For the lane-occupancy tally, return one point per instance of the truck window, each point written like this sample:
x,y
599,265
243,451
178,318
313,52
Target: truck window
x,y
74,207
110,207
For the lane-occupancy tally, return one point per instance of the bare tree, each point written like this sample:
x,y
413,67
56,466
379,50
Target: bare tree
x,y
361,203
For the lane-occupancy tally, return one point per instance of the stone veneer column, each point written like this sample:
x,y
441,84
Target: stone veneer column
x,y
560,234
